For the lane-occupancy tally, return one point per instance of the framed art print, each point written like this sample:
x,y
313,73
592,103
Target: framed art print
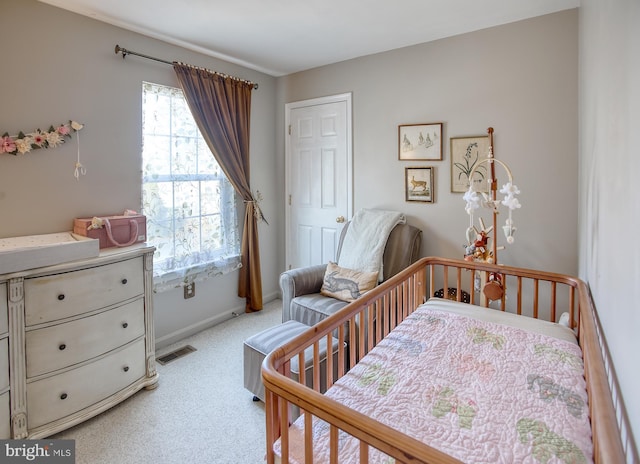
x,y
465,153
420,142
418,184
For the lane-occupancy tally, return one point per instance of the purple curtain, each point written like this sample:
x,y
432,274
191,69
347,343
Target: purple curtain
x,y
221,107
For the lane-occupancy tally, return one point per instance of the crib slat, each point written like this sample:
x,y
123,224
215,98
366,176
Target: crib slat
x,y
394,309
432,277
370,328
552,303
308,438
572,304
379,326
271,423
419,291
284,429
519,295
405,300
341,349
316,365
333,444
329,357
301,363
472,286
361,337
364,453
445,280
386,310
352,337
535,298
410,295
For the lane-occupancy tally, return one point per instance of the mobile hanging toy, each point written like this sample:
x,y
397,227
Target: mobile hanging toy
x,y
478,247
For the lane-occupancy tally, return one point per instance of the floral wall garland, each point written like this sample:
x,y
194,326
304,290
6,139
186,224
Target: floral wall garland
x,y
24,143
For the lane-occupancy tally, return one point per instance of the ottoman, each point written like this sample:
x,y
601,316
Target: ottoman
x,y
258,346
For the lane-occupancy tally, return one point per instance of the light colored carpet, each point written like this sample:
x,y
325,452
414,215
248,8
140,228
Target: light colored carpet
x,y
199,414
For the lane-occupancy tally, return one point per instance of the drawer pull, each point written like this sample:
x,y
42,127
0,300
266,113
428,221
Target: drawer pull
x,y
125,368
62,347
63,396
125,325
124,281
61,297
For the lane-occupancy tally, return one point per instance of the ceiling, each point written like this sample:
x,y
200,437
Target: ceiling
x,y
280,37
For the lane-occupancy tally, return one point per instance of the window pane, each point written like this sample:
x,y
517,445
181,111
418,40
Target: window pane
x,y
184,156
186,199
157,201
162,233
182,122
155,107
156,156
210,197
207,163
211,236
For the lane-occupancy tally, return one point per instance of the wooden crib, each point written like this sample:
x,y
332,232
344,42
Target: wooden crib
x,y
364,323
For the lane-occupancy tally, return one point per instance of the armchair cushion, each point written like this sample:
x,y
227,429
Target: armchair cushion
x,y
311,309
347,284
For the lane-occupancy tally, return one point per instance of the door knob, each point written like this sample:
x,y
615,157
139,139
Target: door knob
x,y
340,219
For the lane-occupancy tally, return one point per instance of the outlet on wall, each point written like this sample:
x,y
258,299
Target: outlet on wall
x,y
190,290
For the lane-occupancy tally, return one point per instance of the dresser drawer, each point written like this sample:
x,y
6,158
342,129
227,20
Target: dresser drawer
x,y
5,418
58,296
4,324
60,395
63,345
4,363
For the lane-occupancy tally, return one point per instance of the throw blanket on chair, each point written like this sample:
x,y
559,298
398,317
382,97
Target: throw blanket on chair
x,y
365,240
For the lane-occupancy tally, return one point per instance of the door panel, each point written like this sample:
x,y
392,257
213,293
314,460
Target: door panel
x,y
318,178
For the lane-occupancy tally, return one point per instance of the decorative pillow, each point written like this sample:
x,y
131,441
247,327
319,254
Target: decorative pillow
x,y
347,284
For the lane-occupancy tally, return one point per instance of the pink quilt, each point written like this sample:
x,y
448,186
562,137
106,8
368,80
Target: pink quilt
x,y
479,391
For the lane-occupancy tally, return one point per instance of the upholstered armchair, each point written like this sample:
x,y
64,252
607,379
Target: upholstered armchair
x,y
301,297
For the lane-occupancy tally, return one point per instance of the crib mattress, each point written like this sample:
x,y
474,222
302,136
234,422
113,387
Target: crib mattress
x,y
559,331
479,390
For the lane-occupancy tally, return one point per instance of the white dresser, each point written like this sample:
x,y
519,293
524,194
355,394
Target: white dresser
x,y
75,340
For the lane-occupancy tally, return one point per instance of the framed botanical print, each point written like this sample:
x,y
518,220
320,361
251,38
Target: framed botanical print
x,y
420,142
465,153
418,184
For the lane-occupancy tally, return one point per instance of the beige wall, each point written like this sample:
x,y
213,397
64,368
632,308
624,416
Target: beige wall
x,y
609,167
521,79
59,66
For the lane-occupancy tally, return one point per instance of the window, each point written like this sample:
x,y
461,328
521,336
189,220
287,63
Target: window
x,y
189,203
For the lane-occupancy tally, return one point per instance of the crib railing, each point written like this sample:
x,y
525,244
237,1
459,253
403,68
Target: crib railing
x,y
361,325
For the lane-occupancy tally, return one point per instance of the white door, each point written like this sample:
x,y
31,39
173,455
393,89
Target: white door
x,y
318,178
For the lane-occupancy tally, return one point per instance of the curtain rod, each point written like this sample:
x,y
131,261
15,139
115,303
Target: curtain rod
x,y
126,52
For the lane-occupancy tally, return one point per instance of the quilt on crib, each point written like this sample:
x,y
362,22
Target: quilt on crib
x,y
481,392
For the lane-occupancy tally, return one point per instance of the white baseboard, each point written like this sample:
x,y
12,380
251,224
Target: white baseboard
x,y
199,326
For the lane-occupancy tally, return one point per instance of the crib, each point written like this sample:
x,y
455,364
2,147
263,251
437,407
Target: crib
x,y
296,410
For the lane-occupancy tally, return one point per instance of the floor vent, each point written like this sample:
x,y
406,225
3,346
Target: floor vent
x,y
175,354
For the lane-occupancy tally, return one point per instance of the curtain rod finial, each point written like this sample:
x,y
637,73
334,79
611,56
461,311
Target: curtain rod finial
x,y
119,49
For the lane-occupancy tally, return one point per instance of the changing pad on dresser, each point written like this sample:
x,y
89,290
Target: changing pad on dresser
x,y
31,251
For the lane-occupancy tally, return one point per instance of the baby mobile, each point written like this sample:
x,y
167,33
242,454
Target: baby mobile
x,y
54,137
478,247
